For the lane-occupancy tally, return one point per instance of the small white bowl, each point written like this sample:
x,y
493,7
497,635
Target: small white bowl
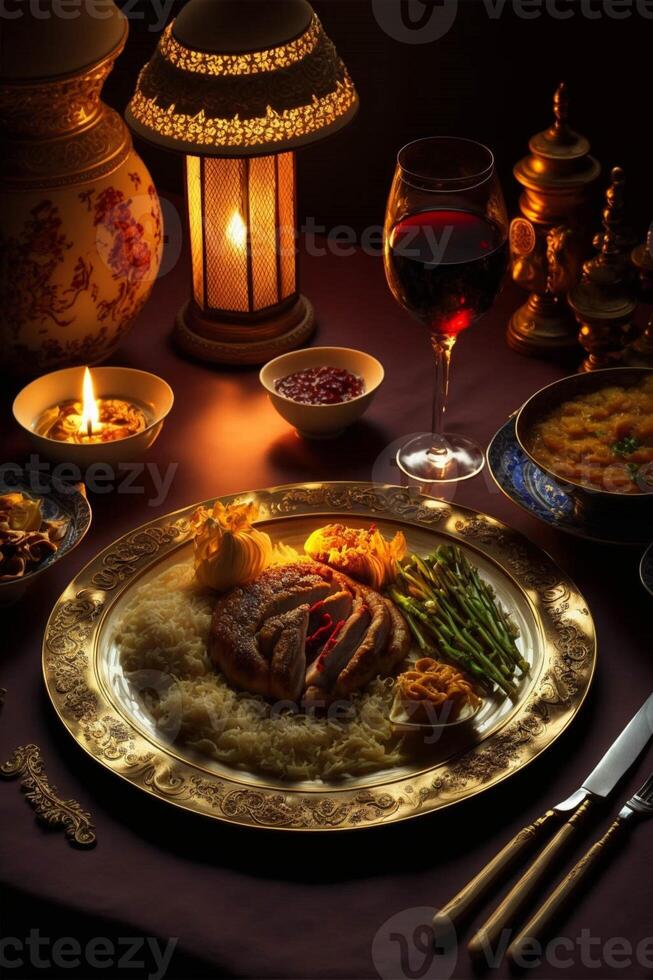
x,y
403,722
322,421
153,394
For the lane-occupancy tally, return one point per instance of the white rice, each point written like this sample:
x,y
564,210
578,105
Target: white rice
x,y
162,641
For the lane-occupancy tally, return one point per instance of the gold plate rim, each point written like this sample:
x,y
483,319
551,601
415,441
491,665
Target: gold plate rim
x,y
109,737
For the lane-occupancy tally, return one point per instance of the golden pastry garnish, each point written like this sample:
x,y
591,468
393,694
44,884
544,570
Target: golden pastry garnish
x,y
228,549
429,685
364,554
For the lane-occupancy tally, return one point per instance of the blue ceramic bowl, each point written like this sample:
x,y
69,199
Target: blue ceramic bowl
x,y
547,499
58,501
633,511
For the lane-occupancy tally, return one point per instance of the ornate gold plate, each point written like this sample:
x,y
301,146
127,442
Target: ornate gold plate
x,y
92,698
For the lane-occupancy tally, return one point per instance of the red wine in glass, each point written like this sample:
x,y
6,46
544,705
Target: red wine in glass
x,y
446,267
445,254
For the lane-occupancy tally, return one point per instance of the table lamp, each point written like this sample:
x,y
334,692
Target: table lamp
x,y
237,88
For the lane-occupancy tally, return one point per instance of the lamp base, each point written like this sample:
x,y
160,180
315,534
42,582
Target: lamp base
x,y
221,342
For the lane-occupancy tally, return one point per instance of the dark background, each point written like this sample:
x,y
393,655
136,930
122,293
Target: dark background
x,y
488,78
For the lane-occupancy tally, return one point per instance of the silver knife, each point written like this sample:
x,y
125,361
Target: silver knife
x,y
599,784
638,806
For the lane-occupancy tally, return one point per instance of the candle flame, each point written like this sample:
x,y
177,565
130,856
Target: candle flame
x,y
237,230
90,409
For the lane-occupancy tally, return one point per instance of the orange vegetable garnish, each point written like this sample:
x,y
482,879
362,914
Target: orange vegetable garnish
x,y
364,554
429,685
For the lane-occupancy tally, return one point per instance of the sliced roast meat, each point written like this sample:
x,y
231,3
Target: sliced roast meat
x,y
363,666
263,632
399,642
336,607
240,615
288,664
315,697
339,650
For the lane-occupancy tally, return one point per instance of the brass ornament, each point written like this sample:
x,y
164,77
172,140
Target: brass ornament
x,y
642,259
27,765
104,728
557,178
604,300
639,353
86,140
643,262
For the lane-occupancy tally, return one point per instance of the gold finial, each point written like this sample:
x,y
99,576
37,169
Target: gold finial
x,y
604,301
561,107
556,178
608,241
642,259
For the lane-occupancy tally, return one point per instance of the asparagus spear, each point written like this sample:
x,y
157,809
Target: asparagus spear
x,y
452,611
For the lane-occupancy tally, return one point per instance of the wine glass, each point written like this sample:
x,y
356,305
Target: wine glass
x,y
445,255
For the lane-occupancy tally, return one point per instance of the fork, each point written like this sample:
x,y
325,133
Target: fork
x,y
638,806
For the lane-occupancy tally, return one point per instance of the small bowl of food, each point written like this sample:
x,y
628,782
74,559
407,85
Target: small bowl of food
x,y
593,433
105,415
433,695
37,529
321,391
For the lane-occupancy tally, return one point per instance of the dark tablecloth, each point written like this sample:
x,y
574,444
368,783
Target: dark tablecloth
x,y
256,904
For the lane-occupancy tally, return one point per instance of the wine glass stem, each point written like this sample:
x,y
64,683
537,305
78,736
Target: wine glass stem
x,y
442,348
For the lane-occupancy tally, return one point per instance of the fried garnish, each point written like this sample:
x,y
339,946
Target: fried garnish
x,y
429,685
364,554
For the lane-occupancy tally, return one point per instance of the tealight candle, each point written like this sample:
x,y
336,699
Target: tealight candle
x,y
107,415
92,420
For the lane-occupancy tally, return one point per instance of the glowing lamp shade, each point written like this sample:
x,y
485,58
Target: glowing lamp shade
x,y
242,221
237,87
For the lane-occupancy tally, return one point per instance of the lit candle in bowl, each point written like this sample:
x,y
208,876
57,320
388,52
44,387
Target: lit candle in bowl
x,y
108,415
92,420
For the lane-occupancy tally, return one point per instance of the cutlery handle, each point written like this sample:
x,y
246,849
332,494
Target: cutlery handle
x,y
538,924
469,898
509,910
